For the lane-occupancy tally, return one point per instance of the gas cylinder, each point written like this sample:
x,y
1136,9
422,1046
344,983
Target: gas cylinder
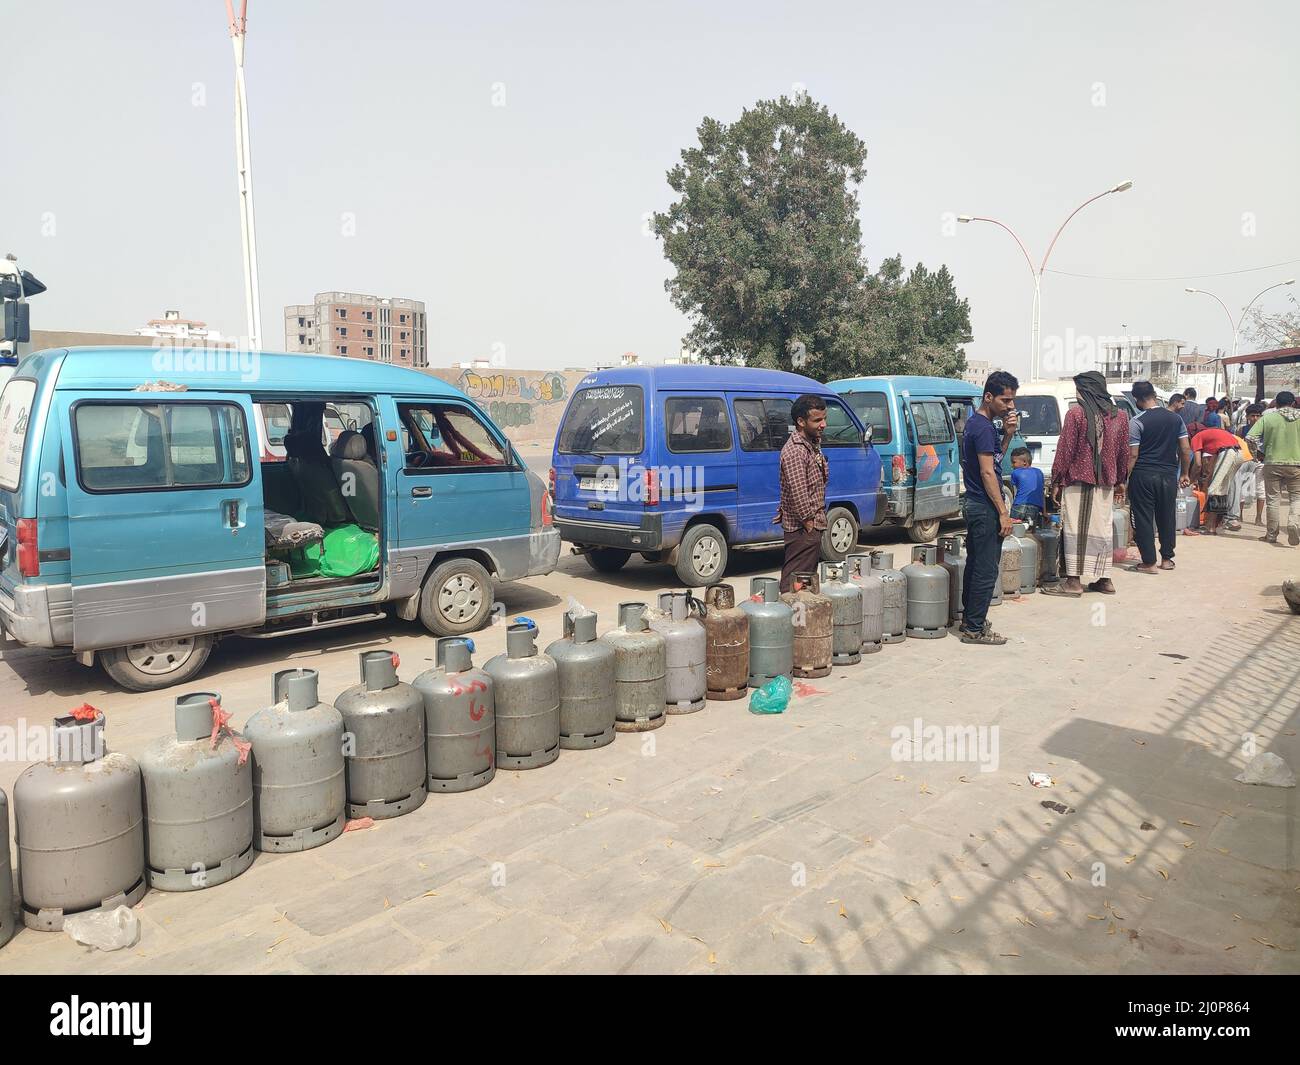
x,y
895,620
1028,558
1009,567
687,679
383,720
952,557
459,719
526,689
927,594
6,875
846,613
640,668
79,824
198,799
299,791
1048,536
588,700
1119,533
873,601
771,632
813,626
726,644
1184,507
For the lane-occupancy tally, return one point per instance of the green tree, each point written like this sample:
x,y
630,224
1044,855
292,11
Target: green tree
x,y
767,246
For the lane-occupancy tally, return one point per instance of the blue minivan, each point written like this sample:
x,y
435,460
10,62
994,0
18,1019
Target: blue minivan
x,y
140,518
680,464
916,425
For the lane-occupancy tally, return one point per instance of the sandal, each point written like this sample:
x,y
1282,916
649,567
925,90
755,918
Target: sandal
x,y
1167,563
1057,590
986,636
1095,586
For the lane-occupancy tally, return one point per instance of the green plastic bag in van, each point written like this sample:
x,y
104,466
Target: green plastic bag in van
x,y
348,550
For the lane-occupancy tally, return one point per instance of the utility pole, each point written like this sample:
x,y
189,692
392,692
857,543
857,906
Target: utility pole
x,y
244,169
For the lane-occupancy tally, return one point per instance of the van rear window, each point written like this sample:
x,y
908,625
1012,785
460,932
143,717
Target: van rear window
x,y
15,415
608,420
1039,416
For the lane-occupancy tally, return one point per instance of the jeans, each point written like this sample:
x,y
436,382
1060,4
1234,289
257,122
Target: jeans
x,y
1029,513
983,560
1279,479
1153,499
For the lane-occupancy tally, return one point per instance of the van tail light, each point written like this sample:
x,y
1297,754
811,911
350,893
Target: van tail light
x,y
899,474
550,482
651,482
29,553
547,509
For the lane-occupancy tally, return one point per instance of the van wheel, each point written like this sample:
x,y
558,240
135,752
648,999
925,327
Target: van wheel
x,y
701,556
922,532
456,598
841,535
149,667
606,559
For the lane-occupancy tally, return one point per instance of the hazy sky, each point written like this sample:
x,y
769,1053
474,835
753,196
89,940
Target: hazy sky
x,y
522,224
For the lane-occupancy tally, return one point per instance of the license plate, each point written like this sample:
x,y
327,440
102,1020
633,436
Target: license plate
x,y
598,484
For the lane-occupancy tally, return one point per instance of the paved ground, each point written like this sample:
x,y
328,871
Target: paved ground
x,y
727,842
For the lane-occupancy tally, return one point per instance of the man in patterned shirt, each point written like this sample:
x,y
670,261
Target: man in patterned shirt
x,y
804,473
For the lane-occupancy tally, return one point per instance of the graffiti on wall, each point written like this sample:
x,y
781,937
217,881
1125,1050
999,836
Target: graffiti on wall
x,y
545,388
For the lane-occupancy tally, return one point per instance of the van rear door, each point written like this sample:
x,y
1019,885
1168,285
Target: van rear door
x,y
165,509
1040,425
933,444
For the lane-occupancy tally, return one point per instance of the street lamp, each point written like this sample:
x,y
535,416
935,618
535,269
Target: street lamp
x,y
1234,326
1035,329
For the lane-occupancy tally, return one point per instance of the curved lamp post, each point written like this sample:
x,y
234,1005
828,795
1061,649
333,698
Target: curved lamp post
x,y
1035,328
1234,326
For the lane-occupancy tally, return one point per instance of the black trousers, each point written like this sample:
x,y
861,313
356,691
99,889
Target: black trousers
x,y
1153,501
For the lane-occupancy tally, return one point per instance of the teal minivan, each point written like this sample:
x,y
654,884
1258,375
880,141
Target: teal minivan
x,y
916,426
141,519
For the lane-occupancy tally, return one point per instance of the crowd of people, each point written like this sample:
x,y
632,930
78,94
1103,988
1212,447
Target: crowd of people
x,y
1215,458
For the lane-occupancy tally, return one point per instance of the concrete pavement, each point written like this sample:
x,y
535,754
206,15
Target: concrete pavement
x,y
729,842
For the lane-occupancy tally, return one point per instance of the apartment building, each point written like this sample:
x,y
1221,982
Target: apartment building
x,y
356,326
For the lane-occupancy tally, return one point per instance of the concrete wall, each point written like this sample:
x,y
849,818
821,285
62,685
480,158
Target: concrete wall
x,y
527,404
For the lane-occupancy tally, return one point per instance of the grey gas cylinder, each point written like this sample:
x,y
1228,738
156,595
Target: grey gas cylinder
x,y
726,636
771,632
6,875
1028,558
79,822
640,671
813,627
873,601
1009,567
198,800
459,719
846,613
927,594
952,557
587,685
686,680
526,689
895,619
383,729
299,790
1048,537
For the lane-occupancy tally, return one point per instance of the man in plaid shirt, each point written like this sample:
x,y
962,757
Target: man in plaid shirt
x,y
804,473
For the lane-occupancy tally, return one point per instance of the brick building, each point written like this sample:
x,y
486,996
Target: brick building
x,y
357,326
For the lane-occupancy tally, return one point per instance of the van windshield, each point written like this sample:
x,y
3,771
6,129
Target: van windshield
x,y
1039,415
603,421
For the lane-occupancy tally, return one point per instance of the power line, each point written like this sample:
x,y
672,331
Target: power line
x,y
1179,277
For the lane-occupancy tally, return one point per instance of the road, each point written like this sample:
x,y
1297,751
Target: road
x,y
805,842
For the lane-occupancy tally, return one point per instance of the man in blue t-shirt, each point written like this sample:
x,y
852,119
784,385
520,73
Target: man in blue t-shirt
x,y
1028,503
1157,464
987,520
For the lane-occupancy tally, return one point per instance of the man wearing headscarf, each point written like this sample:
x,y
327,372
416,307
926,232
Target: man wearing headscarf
x,y
1088,478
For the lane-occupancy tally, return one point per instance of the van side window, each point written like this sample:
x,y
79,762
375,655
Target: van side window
x,y
840,429
932,425
440,436
872,408
696,423
764,423
133,446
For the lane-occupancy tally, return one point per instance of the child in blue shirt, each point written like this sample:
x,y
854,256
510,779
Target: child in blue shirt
x,y
1028,503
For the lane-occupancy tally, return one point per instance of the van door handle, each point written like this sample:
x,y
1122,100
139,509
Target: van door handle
x,y
423,492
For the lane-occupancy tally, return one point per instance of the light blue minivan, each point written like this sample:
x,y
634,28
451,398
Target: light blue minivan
x,y
141,519
916,425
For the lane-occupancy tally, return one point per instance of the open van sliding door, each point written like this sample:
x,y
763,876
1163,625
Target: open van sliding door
x,y
164,516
